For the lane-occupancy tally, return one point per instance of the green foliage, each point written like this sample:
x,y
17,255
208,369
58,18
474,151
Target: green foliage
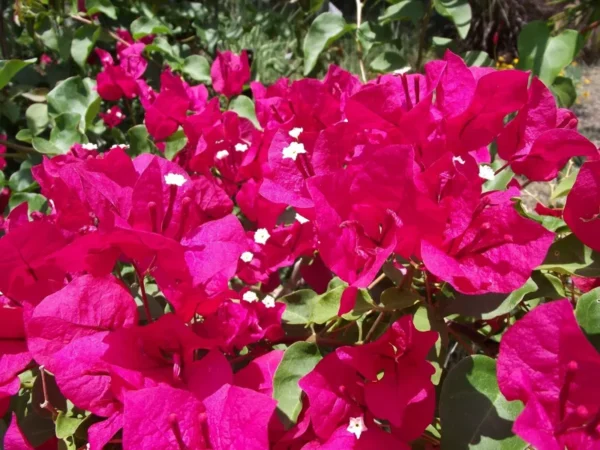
x,y
473,412
547,55
299,359
10,68
325,30
587,313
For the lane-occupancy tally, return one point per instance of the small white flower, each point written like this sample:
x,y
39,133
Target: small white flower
x,y
89,146
458,159
175,179
295,132
268,301
241,147
119,114
247,257
357,426
250,297
261,236
301,219
486,172
293,150
220,141
222,154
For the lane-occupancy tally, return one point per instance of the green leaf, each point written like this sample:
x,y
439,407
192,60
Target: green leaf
x,y
474,414
587,313
244,107
478,58
500,181
66,132
440,41
426,319
67,424
324,30
37,118
21,180
564,186
140,141
75,96
144,26
35,202
488,306
101,6
197,68
24,135
45,147
458,11
83,42
174,143
9,68
388,61
299,306
412,10
544,54
169,52
564,91
396,299
569,256
37,95
298,360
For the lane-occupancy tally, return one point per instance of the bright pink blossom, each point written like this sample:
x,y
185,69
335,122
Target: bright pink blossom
x,y
547,363
229,73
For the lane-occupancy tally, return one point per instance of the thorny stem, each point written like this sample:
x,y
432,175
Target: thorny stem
x,y
423,36
144,296
46,403
361,63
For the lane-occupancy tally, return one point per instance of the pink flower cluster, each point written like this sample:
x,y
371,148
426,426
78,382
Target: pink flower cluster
x,y
340,177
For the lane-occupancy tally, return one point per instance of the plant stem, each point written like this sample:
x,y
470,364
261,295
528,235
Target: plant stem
x,y
89,22
46,404
372,329
423,36
359,49
377,280
144,296
12,145
501,168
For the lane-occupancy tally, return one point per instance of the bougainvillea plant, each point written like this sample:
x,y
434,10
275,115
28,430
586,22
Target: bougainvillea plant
x,y
318,264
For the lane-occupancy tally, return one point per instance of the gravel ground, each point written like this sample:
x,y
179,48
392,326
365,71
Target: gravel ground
x,y
588,107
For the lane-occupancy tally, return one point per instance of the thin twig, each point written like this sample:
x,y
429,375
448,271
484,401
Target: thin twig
x,y
46,403
501,168
361,63
377,281
89,22
372,329
423,36
144,296
12,145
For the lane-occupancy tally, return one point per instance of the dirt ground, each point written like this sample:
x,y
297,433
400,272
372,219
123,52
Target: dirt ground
x,y
588,106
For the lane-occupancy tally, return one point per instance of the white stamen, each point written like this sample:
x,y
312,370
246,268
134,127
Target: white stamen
x,y
293,150
458,159
222,154
175,179
357,426
268,301
89,146
119,114
261,236
241,147
250,297
486,172
301,219
295,132
247,257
